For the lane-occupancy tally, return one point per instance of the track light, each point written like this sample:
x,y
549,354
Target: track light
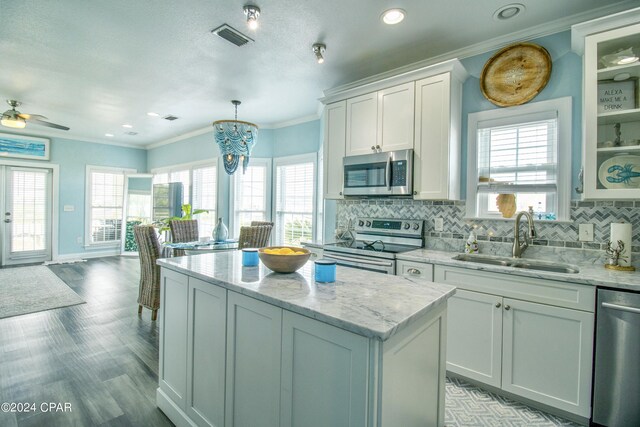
x,y
252,13
319,49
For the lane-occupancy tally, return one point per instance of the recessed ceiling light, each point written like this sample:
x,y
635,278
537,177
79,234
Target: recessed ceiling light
x,y
152,114
509,11
127,126
392,16
109,135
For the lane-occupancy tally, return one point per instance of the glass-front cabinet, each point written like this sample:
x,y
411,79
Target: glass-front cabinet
x,y
611,111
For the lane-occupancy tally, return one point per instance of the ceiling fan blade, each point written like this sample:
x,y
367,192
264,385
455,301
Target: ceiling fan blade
x,y
31,116
48,124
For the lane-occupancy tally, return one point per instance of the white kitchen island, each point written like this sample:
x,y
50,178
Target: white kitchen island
x,y
246,347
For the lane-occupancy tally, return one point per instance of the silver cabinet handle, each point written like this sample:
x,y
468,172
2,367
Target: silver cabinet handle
x,y
621,307
7,220
313,255
498,305
388,175
507,307
341,193
414,271
373,147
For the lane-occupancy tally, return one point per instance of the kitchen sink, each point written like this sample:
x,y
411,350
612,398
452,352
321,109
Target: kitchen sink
x,y
519,263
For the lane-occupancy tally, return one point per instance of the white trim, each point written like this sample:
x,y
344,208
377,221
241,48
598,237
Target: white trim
x,y
599,25
125,204
55,195
183,166
293,122
87,203
90,254
182,137
268,207
563,108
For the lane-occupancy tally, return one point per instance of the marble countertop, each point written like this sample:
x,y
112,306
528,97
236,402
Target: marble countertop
x,y
370,304
590,274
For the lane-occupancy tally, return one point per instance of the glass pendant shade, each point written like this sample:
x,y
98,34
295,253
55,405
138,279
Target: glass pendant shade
x,y
235,140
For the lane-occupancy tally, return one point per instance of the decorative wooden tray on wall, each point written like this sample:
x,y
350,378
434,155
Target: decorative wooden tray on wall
x,y
515,74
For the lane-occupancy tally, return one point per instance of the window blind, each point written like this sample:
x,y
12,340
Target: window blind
x,y
250,196
29,208
204,197
294,202
107,192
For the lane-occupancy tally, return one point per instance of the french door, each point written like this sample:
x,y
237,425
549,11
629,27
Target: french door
x,y
26,199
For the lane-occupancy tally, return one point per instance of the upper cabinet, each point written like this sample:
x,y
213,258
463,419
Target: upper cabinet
x,y
611,109
380,121
418,110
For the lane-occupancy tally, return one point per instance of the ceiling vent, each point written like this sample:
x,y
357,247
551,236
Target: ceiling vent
x,y
170,117
131,133
231,35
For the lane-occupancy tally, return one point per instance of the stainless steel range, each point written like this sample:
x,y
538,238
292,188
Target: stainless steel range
x,y
376,243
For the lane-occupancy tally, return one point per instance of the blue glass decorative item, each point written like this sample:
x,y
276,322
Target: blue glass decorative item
x,y
325,271
249,257
220,231
235,140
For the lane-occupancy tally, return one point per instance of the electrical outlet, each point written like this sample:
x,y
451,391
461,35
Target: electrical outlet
x,y
438,224
585,232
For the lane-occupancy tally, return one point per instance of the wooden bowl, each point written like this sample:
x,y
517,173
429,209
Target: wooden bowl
x,y
284,263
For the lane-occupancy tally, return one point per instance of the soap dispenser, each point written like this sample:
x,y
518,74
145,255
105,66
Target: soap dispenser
x,y
471,247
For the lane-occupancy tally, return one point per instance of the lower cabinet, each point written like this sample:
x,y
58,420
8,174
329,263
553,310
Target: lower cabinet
x,y
542,352
414,269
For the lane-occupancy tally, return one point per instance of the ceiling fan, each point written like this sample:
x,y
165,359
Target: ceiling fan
x,y
15,119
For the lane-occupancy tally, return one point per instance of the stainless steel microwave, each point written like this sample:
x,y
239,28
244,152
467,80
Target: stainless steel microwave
x,y
379,174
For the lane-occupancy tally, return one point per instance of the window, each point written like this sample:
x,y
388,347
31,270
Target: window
x,y
199,189
250,194
105,198
518,151
295,199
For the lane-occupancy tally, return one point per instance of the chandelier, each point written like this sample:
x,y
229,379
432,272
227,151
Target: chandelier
x,y
236,140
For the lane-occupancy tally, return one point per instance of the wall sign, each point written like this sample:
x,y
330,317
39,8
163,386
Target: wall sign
x,y
616,96
23,147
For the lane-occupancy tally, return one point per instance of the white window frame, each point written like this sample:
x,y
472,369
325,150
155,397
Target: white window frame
x,y
292,160
561,107
254,161
87,205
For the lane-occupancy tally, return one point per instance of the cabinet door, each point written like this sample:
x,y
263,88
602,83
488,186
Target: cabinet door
x,y
414,269
172,373
324,374
395,117
253,362
206,353
433,156
362,129
474,336
547,354
335,133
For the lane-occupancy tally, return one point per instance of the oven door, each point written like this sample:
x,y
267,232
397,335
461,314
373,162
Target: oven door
x,y
380,265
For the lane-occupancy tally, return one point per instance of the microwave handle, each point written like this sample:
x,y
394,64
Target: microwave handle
x,y
388,175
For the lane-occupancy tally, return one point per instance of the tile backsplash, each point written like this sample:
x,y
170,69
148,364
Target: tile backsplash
x,y
496,236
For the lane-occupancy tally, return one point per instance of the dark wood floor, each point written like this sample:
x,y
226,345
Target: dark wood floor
x,y
100,356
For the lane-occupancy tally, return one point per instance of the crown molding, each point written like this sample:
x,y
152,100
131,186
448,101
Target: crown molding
x,y
52,135
184,136
292,122
605,23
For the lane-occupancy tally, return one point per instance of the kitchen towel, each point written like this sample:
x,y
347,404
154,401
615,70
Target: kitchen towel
x,y
621,231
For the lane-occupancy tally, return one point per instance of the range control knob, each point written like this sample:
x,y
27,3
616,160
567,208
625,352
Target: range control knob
x,y
368,223
360,223
406,225
416,226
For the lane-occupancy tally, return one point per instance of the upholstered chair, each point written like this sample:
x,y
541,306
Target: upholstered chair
x,y
149,252
255,236
183,231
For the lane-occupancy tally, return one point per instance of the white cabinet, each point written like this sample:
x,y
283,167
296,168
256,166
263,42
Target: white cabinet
x,y
380,121
253,362
324,374
420,270
362,129
438,101
207,320
611,110
540,349
335,117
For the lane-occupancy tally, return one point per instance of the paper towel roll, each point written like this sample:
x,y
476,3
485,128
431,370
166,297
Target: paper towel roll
x,y
622,231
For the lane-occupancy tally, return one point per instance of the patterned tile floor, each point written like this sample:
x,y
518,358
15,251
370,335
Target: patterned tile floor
x,y
470,406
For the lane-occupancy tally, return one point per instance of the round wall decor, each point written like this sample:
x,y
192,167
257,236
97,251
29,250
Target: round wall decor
x,y
515,74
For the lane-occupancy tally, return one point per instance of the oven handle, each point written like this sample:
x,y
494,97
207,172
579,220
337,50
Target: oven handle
x,y
621,307
359,260
388,174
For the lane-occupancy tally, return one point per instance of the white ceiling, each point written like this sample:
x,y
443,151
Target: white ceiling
x,y
95,65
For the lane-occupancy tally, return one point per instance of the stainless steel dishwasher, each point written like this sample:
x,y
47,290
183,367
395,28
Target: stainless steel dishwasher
x,y
616,389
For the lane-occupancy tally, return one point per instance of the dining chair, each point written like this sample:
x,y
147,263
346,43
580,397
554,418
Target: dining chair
x,y
149,252
183,231
254,236
253,223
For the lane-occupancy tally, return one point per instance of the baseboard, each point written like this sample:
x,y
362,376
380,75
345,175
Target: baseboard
x,y
172,411
85,255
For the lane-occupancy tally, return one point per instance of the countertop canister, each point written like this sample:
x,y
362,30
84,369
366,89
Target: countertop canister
x,y
621,231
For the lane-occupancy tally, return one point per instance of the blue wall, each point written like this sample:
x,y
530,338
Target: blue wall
x,y
566,80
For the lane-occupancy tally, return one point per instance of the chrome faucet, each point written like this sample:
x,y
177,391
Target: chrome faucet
x,y
519,248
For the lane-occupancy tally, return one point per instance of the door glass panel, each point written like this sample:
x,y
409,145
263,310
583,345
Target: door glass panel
x,y
28,210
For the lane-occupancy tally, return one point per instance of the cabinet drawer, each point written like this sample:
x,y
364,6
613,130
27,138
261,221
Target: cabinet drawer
x,y
561,294
415,269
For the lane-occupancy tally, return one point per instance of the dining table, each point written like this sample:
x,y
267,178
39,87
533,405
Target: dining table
x,y
199,247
